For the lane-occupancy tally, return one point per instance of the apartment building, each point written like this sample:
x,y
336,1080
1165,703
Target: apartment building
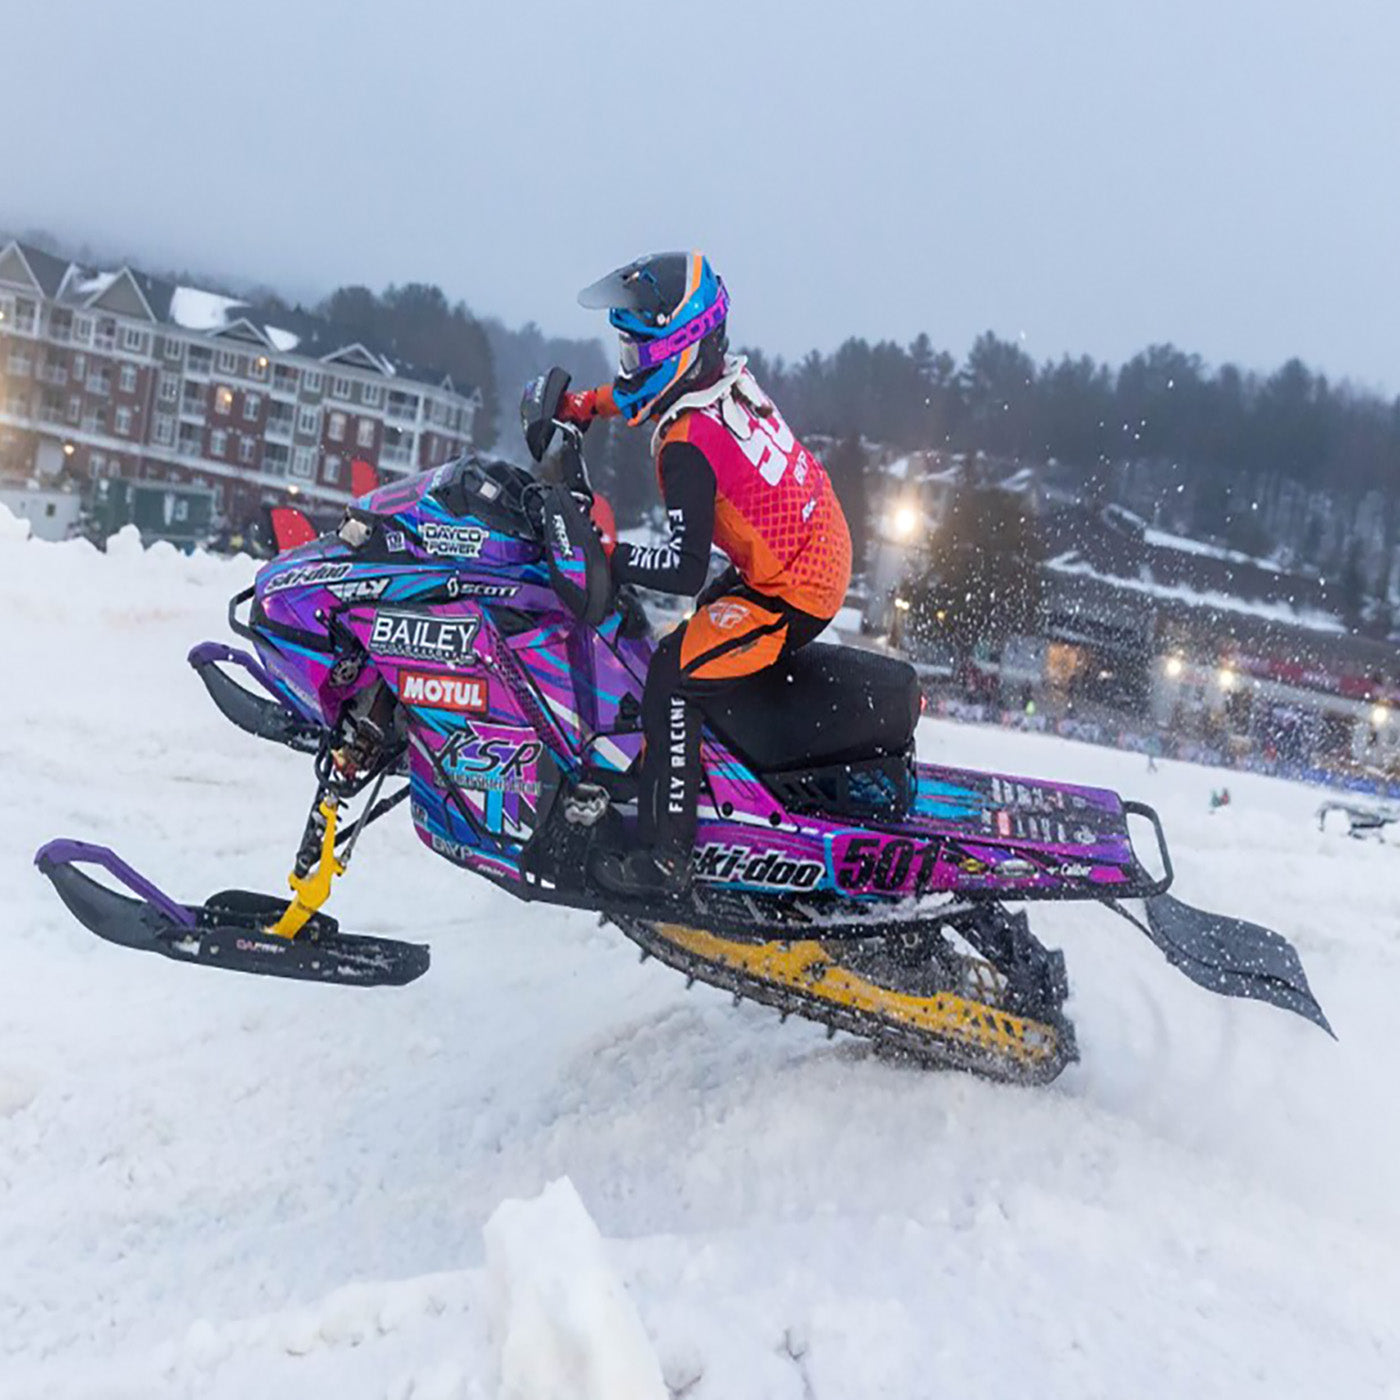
x,y
117,373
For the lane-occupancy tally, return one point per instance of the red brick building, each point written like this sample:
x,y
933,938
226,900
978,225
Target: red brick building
x,y
116,373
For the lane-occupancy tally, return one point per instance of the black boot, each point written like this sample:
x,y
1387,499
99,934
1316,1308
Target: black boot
x,y
643,870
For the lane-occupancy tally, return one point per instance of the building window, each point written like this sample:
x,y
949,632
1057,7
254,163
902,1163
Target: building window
x,y
18,364
173,349
128,378
308,420
284,379
24,315
75,410
105,334
228,362
165,429
97,463
403,405
274,461
303,462
335,427
123,422
365,435
82,328
60,324
133,339
100,380
246,447
79,368
252,405
257,367
223,399
373,395
311,381
218,442
330,472
169,388
199,359
340,388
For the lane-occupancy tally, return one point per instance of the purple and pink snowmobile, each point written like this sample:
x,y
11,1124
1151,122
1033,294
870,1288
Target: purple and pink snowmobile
x,y
458,637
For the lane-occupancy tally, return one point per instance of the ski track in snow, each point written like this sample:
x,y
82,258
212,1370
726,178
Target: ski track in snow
x,y
222,1186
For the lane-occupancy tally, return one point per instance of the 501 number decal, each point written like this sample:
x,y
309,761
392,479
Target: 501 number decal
x,y
887,864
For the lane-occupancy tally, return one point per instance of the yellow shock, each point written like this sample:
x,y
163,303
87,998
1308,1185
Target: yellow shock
x,y
310,891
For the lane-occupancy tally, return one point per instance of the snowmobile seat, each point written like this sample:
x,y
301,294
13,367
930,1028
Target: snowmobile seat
x,y
823,705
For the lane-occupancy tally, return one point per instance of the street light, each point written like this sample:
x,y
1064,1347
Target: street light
x,y
1379,715
1174,666
1227,678
905,521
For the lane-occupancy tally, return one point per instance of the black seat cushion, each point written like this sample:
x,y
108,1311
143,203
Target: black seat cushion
x,y
824,704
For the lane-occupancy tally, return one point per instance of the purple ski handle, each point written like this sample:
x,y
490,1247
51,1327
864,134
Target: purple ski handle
x,y
64,851
208,653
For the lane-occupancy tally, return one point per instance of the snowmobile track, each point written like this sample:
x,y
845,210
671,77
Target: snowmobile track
x,y
975,1037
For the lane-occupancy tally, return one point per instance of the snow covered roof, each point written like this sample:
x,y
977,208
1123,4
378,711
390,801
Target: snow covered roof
x,y
1311,618
198,310
1161,539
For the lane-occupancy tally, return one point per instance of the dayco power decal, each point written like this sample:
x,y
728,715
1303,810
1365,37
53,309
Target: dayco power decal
x,y
460,541
308,574
422,635
773,869
465,694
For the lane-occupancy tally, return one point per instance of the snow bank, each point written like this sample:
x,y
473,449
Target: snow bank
x,y
566,1327
12,526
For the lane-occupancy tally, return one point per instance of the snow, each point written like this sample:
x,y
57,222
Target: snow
x,y
1161,539
1317,621
223,1186
93,287
281,340
198,310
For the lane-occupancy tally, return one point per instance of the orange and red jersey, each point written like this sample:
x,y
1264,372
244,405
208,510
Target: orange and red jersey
x,y
733,473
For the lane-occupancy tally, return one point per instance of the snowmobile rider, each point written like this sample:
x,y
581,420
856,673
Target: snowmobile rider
x,y
733,476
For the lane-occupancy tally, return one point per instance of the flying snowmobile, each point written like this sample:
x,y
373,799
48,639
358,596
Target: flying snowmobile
x,y
459,634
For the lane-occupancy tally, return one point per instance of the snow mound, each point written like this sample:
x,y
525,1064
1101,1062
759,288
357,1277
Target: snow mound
x,y
12,527
566,1327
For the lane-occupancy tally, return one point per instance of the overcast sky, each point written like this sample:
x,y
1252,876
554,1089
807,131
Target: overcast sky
x,y
1091,176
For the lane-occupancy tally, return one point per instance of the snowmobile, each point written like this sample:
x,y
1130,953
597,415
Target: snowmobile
x,y
458,635
1363,818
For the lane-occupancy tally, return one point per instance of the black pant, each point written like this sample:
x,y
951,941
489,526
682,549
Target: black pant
x,y
737,635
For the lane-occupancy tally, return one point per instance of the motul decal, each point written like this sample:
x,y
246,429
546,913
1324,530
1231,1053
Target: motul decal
x,y
464,694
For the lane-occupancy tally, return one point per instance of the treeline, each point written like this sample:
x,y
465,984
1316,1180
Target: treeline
x,y
1286,462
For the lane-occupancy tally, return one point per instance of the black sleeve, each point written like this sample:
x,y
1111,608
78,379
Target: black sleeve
x,y
681,564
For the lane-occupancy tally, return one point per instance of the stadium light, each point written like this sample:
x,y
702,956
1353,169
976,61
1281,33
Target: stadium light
x,y
905,521
1174,666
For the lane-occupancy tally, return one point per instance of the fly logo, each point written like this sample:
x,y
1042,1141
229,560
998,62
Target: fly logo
x,y
727,616
464,694
422,636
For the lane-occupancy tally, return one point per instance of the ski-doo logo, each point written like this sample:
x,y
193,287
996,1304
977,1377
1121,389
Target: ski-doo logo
x,y
422,636
465,694
742,864
460,541
359,590
307,575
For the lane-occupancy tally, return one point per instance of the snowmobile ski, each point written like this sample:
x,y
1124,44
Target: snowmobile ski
x,y
936,1007
229,930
